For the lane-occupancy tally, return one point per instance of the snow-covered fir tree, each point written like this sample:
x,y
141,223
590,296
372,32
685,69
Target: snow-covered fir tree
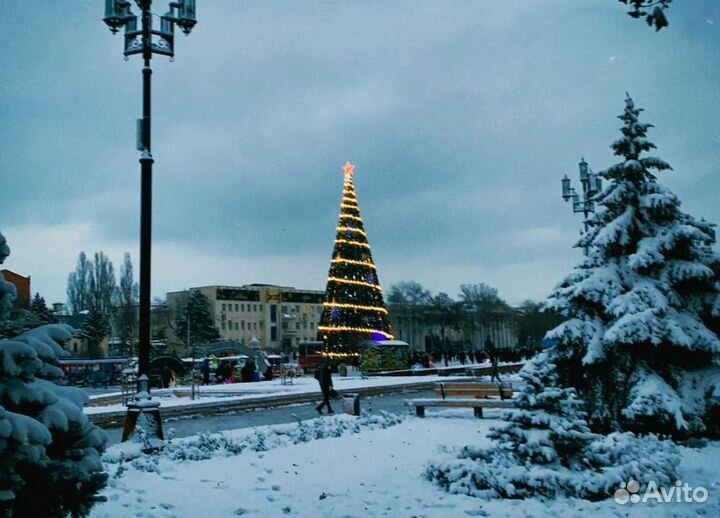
x,y
39,309
196,311
8,294
635,342
95,329
49,451
547,449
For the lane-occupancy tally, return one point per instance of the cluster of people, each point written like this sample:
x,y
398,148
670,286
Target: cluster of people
x,y
426,361
224,372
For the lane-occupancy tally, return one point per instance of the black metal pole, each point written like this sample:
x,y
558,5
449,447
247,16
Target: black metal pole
x,y
146,163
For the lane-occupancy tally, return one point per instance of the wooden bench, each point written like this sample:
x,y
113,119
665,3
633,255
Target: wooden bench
x,y
466,395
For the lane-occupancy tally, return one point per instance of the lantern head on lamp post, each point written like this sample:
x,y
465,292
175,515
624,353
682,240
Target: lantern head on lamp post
x,y
185,18
591,185
117,14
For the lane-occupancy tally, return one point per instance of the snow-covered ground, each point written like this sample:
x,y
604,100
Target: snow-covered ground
x,y
370,466
269,389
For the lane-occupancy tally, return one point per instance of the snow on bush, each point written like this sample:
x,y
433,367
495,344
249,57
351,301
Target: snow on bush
x,y
49,447
547,449
206,446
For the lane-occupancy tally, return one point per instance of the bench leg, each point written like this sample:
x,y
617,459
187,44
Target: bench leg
x,y
420,411
478,411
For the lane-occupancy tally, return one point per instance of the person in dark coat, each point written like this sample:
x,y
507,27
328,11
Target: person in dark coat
x,y
166,376
205,371
324,377
493,354
247,372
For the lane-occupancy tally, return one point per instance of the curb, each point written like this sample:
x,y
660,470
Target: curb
x,y
116,419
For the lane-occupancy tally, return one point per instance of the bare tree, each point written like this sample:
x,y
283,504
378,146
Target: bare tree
x,y
408,292
102,284
126,301
78,285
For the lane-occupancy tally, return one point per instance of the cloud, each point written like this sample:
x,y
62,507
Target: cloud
x,y
461,119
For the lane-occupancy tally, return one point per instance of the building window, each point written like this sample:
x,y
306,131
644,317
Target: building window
x,y
260,307
237,326
297,309
255,325
312,326
242,307
262,323
242,325
304,325
223,307
236,307
284,309
284,326
297,326
222,326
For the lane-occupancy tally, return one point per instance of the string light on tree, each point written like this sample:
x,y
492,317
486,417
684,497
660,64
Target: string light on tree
x,y
354,310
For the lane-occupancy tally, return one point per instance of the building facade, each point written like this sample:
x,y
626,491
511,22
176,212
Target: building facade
x,y
278,317
419,326
22,285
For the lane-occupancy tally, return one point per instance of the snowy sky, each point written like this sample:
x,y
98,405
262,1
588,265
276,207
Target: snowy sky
x,y
461,117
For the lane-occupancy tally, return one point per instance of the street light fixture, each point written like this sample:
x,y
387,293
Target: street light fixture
x,y
591,185
146,41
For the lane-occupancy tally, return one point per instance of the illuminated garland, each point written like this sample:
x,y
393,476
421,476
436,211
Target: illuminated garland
x,y
351,229
355,330
356,283
351,261
350,216
339,355
356,243
355,306
355,207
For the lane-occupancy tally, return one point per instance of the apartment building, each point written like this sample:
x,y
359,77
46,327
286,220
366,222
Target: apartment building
x,y
272,317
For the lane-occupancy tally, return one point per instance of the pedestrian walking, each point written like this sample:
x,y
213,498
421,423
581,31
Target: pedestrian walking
x,y
205,371
324,377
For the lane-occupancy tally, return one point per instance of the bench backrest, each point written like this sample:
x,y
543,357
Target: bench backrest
x,y
478,390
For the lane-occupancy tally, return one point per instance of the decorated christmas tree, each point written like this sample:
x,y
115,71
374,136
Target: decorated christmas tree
x,y
354,310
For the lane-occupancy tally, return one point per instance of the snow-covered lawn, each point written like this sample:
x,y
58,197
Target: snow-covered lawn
x,y
373,467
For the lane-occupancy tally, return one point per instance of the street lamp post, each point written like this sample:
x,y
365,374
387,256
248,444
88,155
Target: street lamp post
x,y
591,185
147,41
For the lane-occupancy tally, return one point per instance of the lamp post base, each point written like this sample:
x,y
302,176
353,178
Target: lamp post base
x,y
143,422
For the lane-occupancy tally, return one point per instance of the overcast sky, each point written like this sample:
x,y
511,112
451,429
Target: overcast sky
x,y
462,117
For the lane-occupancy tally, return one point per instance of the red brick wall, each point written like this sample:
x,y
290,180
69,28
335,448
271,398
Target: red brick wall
x,y
22,285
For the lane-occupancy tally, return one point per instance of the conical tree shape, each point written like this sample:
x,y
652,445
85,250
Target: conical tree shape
x,y
354,308
635,342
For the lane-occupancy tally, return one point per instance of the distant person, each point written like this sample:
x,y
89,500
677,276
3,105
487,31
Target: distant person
x,y
205,371
166,376
324,377
247,372
269,373
462,357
